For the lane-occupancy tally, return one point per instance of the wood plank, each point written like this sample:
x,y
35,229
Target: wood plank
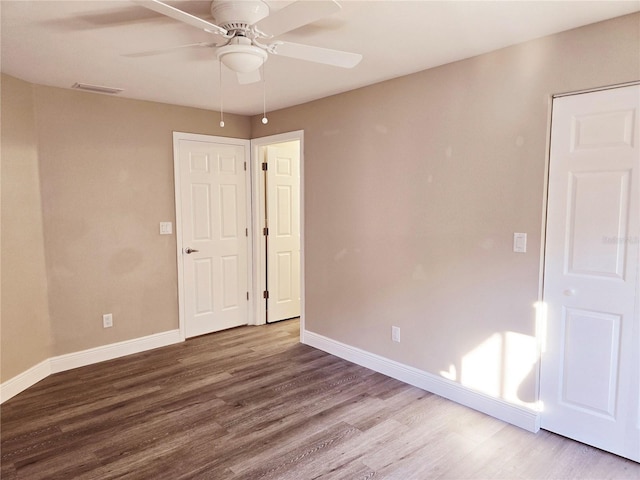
x,y
252,402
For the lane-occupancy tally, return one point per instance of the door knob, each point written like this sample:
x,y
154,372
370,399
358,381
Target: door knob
x,y
190,250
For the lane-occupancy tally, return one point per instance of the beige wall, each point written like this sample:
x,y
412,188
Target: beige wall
x,y
107,183
25,333
413,190
106,180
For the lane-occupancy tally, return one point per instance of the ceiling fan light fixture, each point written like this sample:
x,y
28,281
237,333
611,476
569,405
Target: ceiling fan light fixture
x,y
242,58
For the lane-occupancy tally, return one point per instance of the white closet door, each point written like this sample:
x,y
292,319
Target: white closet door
x,y
283,244
590,362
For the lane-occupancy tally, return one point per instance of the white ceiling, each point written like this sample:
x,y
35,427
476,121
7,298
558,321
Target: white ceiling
x,y
60,43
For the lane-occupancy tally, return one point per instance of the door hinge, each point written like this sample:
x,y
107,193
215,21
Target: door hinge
x,y
246,232
265,166
245,166
265,231
247,296
265,294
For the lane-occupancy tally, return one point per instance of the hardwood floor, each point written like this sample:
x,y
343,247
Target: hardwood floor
x,y
252,403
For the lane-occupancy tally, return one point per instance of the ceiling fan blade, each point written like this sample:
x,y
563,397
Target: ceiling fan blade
x,y
249,77
160,51
184,17
310,53
296,15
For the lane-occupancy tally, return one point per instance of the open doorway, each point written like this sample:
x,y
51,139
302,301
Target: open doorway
x,y
277,206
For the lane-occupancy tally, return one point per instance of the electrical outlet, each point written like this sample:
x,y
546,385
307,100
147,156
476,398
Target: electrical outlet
x,y
395,334
107,320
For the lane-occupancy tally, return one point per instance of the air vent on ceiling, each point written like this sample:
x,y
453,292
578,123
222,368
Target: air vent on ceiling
x,y
97,88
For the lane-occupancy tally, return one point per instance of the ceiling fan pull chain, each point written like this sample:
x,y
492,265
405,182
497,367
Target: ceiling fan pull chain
x,y
221,96
265,120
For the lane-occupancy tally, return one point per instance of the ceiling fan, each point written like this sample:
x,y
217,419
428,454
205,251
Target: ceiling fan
x,y
246,30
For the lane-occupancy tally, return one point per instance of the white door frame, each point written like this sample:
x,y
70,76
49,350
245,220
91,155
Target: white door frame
x,y
257,206
177,136
539,306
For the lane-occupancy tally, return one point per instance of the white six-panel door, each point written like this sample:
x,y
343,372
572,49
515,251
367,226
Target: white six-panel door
x,y
283,245
214,242
590,362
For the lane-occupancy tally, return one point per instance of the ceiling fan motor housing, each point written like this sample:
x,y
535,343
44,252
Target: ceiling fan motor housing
x,y
238,15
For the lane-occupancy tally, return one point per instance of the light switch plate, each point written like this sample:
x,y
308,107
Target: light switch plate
x,y
520,242
166,228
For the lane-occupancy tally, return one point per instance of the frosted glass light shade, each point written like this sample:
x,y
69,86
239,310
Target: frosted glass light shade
x,y
242,58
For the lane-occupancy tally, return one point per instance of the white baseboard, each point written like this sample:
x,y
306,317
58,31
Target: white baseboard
x,y
513,414
61,363
113,350
24,380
